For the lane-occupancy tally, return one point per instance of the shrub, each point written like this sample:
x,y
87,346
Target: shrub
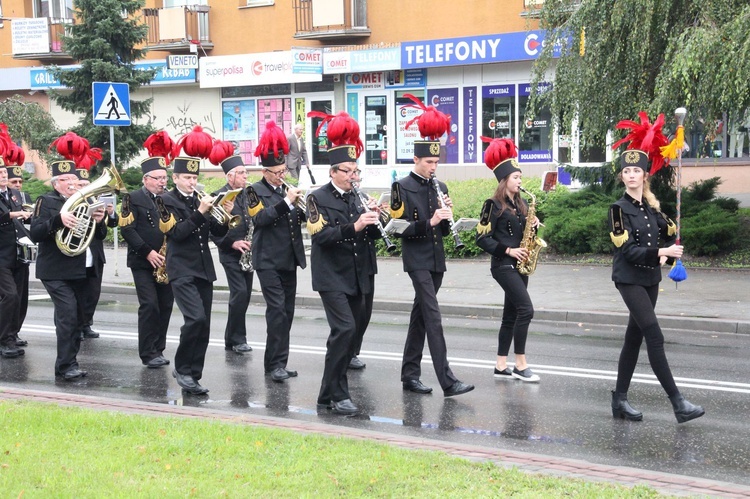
x,y
710,231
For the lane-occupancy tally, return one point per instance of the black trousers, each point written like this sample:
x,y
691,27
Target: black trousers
x,y
193,296
240,289
366,315
21,276
517,311
642,323
9,300
344,313
426,320
155,303
279,290
66,295
92,292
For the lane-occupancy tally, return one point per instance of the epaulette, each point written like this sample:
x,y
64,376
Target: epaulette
x,y
619,234
126,214
254,204
671,226
485,226
397,204
166,219
315,222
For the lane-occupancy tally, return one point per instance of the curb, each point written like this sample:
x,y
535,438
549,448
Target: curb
x,y
524,461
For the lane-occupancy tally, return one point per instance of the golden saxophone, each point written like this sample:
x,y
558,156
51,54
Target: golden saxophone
x,y
531,242
246,259
160,273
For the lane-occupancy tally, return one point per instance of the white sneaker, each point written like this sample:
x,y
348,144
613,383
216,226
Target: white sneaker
x,y
526,375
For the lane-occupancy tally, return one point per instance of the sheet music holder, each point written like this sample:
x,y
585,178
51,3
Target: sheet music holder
x,y
463,224
226,196
396,226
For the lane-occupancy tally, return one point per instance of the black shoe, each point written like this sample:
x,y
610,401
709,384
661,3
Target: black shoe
x,y
280,374
684,411
344,407
243,348
187,383
526,375
21,343
156,362
356,364
87,332
73,374
621,408
416,386
11,352
458,388
198,390
504,374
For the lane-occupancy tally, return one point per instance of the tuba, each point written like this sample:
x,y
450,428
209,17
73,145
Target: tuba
x,y
73,242
530,240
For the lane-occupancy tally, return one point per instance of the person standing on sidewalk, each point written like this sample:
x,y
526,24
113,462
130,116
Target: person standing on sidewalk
x,y
644,240
297,156
500,233
232,246
139,220
415,199
277,247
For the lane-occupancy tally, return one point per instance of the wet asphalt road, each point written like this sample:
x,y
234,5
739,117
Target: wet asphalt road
x,y
566,415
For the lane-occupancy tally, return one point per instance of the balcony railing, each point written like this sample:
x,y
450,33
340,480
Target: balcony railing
x,y
321,19
49,48
177,28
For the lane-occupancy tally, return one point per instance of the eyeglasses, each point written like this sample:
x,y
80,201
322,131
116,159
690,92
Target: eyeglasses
x,y
349,172
158,179
278,173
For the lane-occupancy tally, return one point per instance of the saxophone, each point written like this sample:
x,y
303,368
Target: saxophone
x,y
160,273
533,243
246,260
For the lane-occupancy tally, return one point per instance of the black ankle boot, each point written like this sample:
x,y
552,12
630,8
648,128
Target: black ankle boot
x,y
621,408
683,410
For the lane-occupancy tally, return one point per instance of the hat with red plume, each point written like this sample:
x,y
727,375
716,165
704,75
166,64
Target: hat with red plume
x,y
272,146
196,144
646,140
5,143
500,157
343,134
223,155
74,149
160,147
432,125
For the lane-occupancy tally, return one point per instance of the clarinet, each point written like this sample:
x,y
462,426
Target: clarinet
x,y
389,246
441,197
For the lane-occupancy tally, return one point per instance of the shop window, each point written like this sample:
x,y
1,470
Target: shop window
x,y
535,138
593,150
376,121
498,112
240,125
320,143
278,110
256,91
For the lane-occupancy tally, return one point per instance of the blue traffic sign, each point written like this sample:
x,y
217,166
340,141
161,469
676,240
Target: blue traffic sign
x,y
111,103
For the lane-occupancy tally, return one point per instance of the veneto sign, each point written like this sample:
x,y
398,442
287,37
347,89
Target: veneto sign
x,y
265,68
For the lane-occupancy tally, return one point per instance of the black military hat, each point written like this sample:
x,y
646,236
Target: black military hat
x,y
342,154
634,157
231,163
150,164
63,167
83,174
14,171
186,165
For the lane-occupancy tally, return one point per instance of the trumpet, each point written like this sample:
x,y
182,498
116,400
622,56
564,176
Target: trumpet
x,y
389,246
443,204
218,211
300,202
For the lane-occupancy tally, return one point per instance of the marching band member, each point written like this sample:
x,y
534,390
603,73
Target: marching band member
x,y
277,247
139,220
187,222
500,232
233,246
341,231
644,240
414,199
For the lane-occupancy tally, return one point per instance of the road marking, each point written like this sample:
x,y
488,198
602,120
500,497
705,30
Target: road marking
x,y
575,372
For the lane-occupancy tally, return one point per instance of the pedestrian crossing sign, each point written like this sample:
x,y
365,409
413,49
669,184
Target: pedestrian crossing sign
x,y
111,103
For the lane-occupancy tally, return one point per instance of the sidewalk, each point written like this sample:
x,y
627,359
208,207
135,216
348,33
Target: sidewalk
x,y
709,300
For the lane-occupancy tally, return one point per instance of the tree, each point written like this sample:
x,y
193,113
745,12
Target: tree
x,y
103,41
28,122
623,56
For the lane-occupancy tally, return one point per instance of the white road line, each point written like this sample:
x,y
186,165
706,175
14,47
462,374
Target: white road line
x,y
575,372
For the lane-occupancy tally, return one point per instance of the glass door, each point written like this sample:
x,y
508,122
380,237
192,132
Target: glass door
x,y
376,128
320,143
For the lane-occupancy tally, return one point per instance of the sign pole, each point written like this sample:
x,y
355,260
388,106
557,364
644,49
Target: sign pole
x,y
112,162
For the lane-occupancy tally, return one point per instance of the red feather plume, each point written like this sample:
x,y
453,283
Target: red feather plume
x,y
342,129
272,141
221,150
160,144
14,155
197,144
5,140
647,137
432,123
498,151
89,159
71,147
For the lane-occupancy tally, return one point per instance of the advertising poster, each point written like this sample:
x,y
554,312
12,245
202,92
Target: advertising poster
x,y
239,125
405,138
446,101
470,131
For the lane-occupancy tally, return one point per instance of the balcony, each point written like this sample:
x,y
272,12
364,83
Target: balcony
x,y
176,29
40,39
330,19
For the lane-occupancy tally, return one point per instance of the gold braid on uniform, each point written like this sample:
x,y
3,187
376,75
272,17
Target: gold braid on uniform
x,y
619,234
254,204
671,226
315,222
397,204
126,215
166,219
485,226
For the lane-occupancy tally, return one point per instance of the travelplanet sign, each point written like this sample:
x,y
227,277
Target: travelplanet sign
x,y
266,68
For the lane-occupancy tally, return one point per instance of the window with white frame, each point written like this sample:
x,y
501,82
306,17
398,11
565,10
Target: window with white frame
x,y
56,9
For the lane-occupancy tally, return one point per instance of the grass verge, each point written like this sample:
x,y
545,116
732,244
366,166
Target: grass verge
x,y
47,450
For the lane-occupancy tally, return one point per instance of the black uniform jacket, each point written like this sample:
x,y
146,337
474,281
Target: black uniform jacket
x,y
500,230
422,244
340,257
187,240
51,263
226,253
638,231
142,234
10,229
277,237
